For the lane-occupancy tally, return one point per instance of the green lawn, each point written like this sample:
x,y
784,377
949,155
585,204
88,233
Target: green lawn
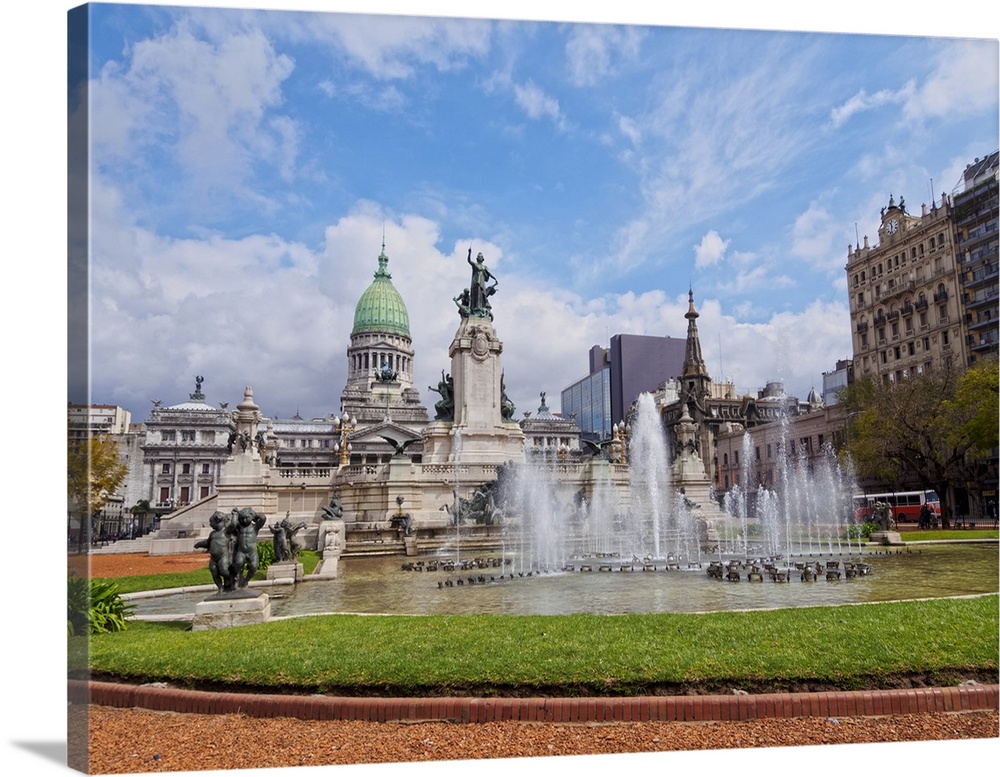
x,y
941,641
921,535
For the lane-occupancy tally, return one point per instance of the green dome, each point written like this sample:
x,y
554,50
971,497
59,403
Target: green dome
x,y
380,308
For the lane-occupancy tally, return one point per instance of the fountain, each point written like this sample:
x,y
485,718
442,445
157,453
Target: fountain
x,y
522,533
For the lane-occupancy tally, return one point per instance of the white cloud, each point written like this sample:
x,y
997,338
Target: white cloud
x,y
208,104
818,237
711,250
862,101
964,82
394,47
795,347
537,104
591,50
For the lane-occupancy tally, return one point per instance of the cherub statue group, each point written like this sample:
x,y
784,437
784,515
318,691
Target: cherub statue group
x,y
232,547
285,546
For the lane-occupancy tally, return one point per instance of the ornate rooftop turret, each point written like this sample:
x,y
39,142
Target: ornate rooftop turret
x,y
694,377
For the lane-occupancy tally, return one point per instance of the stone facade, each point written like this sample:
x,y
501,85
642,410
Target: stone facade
x,y
184,448
905,295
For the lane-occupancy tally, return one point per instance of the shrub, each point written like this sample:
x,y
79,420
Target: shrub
x,y
265,555
77,606
861,530
97,605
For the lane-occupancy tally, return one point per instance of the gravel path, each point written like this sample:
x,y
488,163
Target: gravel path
x,y
121,742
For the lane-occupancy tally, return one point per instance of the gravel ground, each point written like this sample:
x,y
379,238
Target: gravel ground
x,y
126,564
120,740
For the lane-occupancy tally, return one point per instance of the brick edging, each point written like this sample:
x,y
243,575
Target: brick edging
x,y
617,709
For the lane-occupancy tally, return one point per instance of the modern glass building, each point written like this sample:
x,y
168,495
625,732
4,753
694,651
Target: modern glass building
x,y
631,365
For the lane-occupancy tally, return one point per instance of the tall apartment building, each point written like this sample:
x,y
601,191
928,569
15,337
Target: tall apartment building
x,y
976,214
905,294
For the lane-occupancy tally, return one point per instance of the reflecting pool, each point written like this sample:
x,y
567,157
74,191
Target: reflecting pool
x,y
381,585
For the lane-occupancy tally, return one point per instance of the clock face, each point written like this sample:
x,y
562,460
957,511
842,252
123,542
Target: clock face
x,y
892,226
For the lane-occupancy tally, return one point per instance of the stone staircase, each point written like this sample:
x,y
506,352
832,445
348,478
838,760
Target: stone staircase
x,y
139,545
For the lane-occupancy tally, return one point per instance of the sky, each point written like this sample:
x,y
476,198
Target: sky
x,y
246,166
235,212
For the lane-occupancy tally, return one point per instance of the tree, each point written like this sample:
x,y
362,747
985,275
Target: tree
x,y
95,471
936,427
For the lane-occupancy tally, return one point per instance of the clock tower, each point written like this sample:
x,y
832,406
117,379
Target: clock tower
x,y
894,218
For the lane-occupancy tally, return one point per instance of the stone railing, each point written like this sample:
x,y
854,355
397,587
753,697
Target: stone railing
x,y
294,473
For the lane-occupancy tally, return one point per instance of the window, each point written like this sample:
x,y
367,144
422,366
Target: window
x,y
187,436
186,468
168,435
165,469
206,469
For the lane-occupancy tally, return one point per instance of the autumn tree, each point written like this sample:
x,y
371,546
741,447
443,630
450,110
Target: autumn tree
x,y
95,471
936,427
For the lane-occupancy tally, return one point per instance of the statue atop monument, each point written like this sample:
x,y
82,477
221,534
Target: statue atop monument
x,y
475,301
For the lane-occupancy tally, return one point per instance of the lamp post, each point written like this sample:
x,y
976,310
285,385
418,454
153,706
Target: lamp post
x,y
621,433
344,427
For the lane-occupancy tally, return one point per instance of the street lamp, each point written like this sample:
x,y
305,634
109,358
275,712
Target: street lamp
x,y
344,427
621,433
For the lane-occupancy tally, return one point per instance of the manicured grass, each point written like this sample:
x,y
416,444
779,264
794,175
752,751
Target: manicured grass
x,y
949,534
135,583
845,647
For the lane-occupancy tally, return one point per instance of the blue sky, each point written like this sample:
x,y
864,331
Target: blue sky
x,y
246,163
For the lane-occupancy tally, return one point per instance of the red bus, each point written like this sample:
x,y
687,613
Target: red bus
x,y
906,505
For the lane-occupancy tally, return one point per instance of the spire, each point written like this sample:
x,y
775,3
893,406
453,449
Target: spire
x,y
383,263
694,365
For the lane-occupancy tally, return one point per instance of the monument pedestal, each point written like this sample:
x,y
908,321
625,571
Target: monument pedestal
x,y
886,538
236,608
480,431
285,570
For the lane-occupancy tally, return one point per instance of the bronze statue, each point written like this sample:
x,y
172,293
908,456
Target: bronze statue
x,y
335,510
445,407
285,546
220,547
479,290
246,560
